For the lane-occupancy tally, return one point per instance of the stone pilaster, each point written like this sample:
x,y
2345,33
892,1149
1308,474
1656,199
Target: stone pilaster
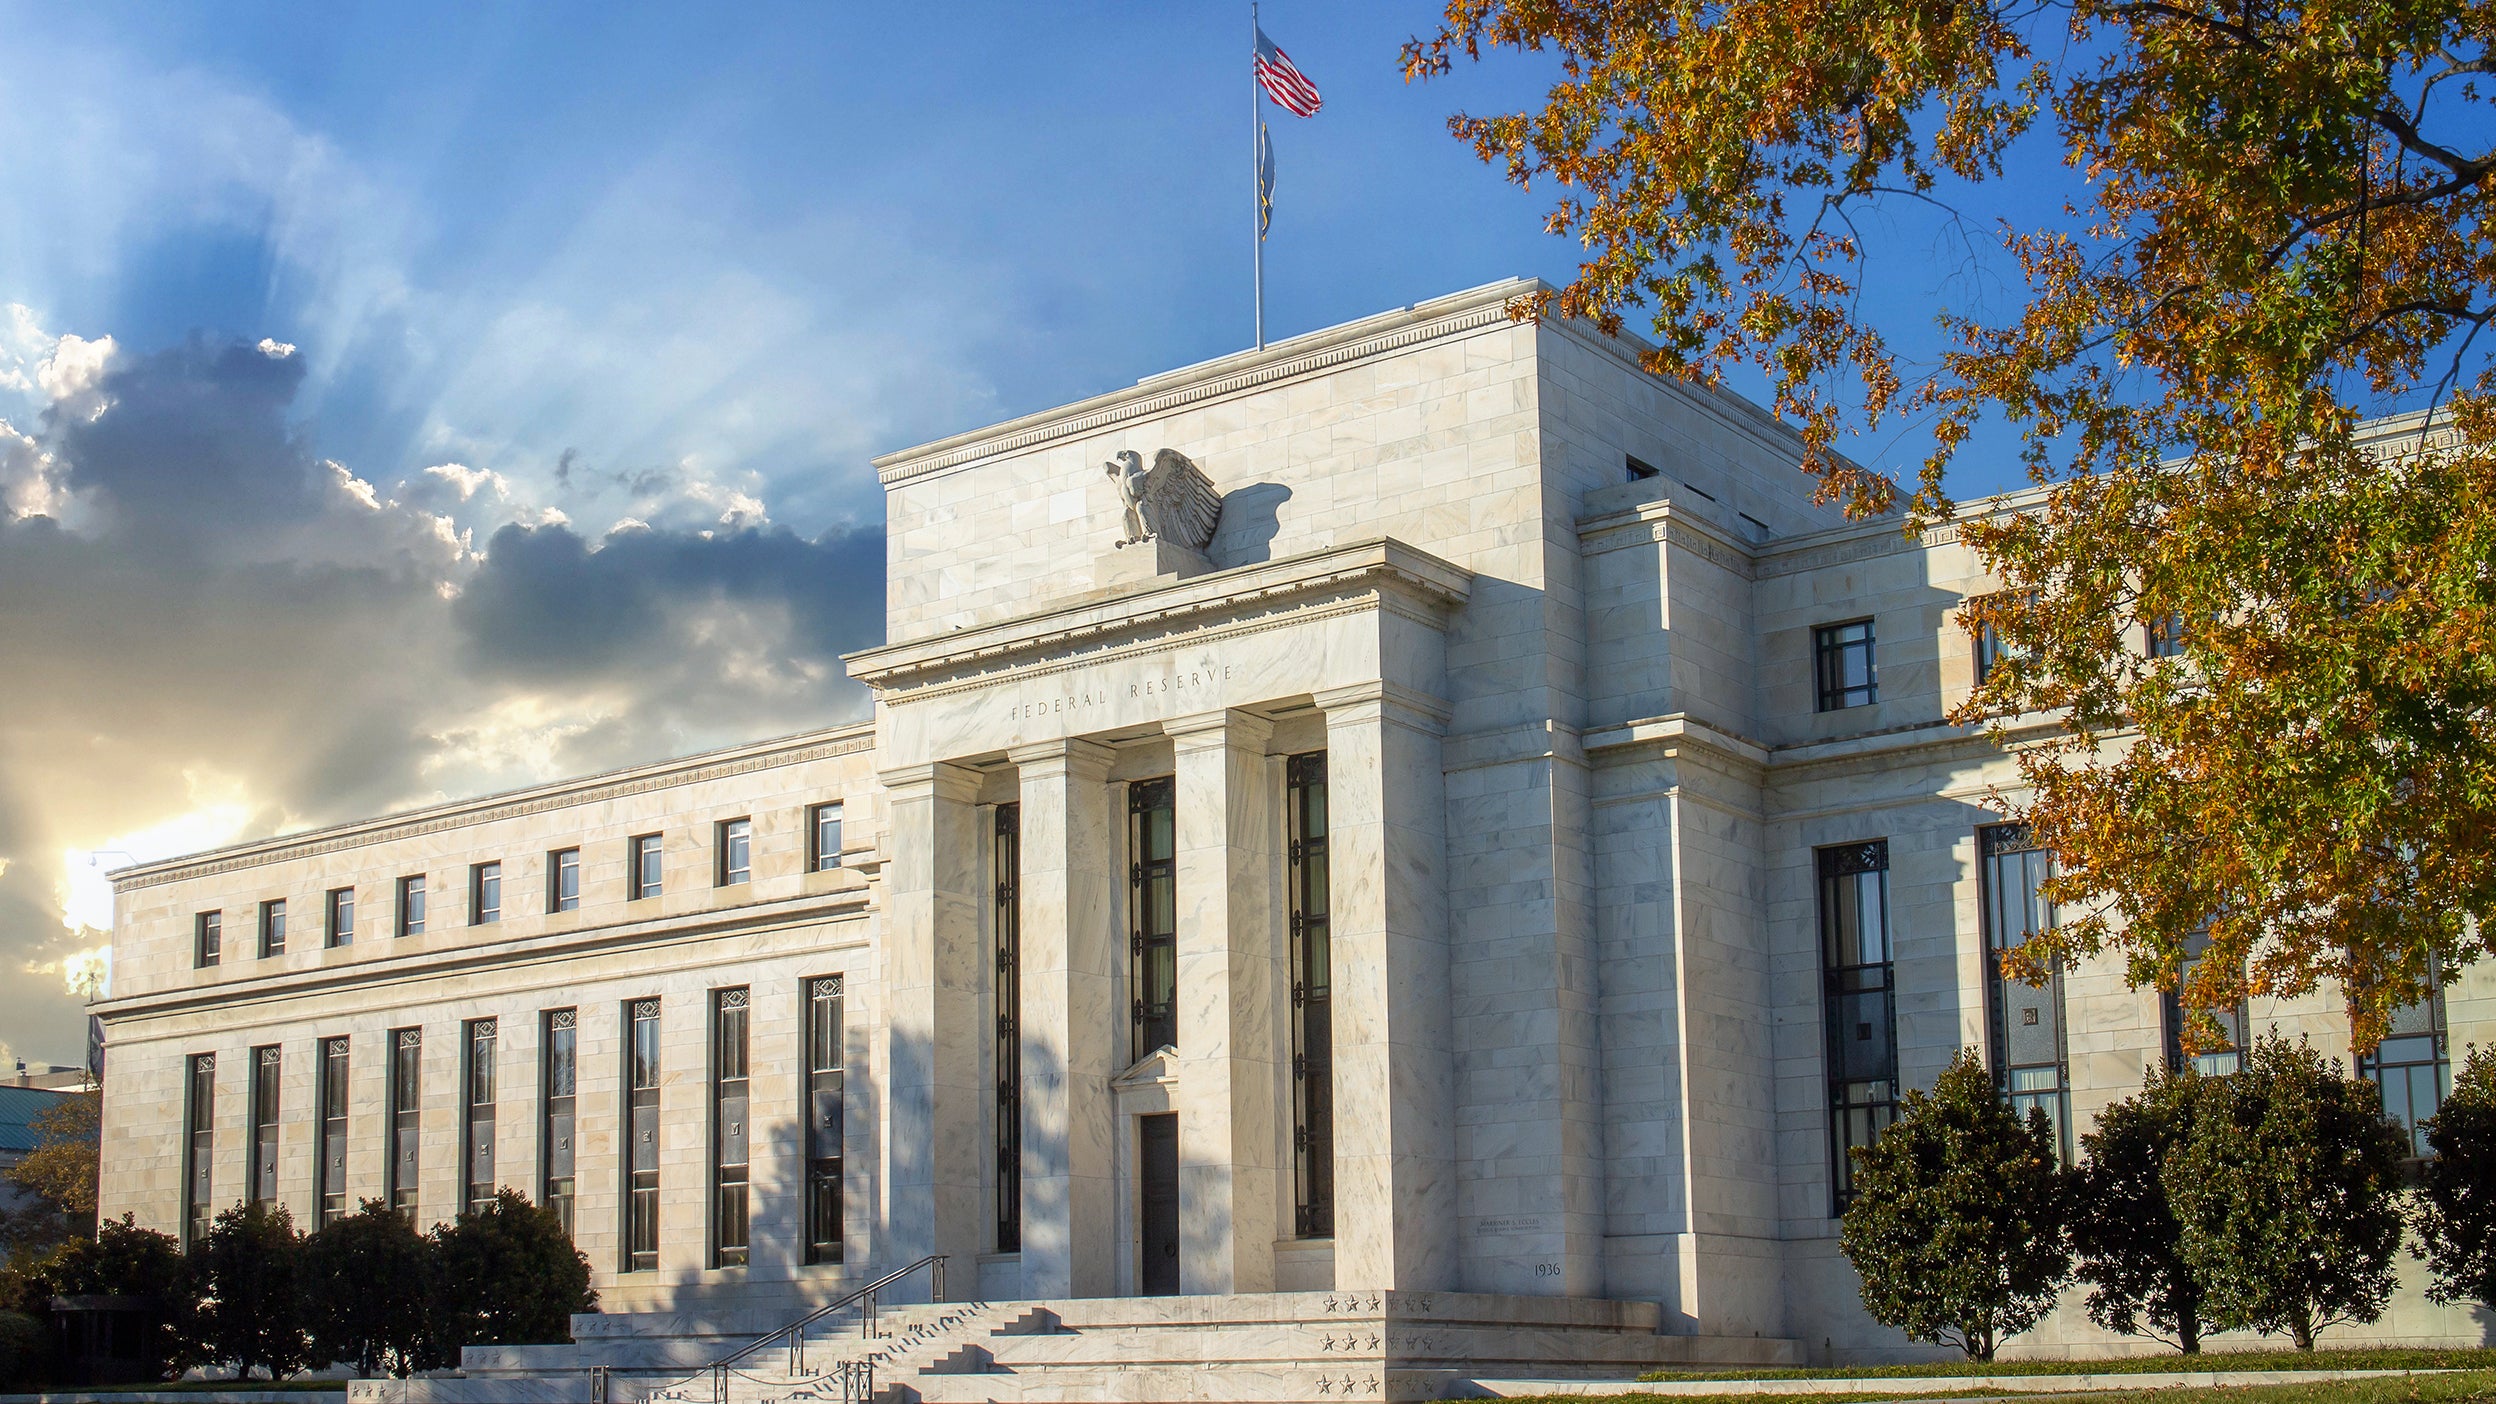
x,y
936,1094
1071,1024
1395,1200
1228,825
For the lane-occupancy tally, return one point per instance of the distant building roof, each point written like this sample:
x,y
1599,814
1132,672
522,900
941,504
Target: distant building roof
x,y
18,1108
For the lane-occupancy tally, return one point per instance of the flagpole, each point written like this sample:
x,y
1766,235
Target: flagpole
x,y
1256,170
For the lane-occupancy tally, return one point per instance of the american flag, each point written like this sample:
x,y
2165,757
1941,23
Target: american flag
x,y
1288,86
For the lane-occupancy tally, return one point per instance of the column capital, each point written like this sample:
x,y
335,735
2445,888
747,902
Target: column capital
x,y
1385,701
943,778
1225,727
1071,756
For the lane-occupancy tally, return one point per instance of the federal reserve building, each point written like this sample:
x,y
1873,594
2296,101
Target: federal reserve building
x,y
1398,859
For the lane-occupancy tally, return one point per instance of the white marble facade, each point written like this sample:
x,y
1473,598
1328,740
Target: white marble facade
x,y
1551,622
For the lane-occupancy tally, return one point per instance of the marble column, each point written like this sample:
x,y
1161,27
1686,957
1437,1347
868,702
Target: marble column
x,y
1228,949
934,974
1395,1196
1072,1027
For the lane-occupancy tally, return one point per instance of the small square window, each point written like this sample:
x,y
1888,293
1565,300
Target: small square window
x,y
736,851
338,926
645,875
563,880
273,928
207,938
2163,637
1842,664
823,836
485,894
412,905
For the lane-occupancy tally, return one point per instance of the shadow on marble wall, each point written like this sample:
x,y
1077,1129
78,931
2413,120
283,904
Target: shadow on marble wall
x,y
1250,521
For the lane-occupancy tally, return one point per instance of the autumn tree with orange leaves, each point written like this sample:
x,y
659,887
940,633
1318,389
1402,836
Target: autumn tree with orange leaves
x,y
2276,227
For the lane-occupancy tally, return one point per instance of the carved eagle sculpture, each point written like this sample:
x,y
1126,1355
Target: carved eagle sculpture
x,y
1173,499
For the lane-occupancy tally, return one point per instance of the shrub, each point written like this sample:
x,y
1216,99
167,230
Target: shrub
x,y
2123,1230
124,1260
25,1349
250,1267
1957,1228
2456,1212
366,1280
507,1275
2286,1196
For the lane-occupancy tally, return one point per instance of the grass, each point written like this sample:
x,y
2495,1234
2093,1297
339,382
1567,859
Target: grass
x,y
2476,1359
2467,1387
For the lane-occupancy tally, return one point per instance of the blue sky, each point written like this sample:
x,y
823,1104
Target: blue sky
x,y
383,387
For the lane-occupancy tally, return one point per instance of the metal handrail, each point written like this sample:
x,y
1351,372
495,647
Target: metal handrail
x,y
862,1297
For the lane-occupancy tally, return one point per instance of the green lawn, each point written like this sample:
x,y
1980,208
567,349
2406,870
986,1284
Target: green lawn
x,y
2469,1387
2480,1359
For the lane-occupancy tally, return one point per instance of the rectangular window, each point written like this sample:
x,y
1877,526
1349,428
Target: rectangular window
x,y
407,1052
823,836
1842,663
412,905
267,1069
1857,1004
645,871
199,1151
825,1061
1312,1002
731,1144
2163,637
1640,471
273,928
735,845
338,923
561,1077
2413,1067
1009,1049
641,1136
477,1121
563,880
485,894
2225,1057
1152,907
332,1175
2031,1061
207,938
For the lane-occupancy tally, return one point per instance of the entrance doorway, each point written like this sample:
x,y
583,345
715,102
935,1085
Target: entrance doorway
x,y
1157,1139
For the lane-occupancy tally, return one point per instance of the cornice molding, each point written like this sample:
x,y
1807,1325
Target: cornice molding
x,y
1399,330
514,804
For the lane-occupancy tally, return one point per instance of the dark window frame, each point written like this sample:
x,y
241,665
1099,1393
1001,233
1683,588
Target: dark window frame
x,y
823,856
411,905
645,873
561,862
1860,1107
329,1170
1007,870
272,928
2216,1062
1639,469
732,1121
643,1050
1830,646
2419,1047
825,1093
726,838
266,1121
480,1044
2163,637
1152,915
2023,1085
559,1088
485,893
1312,996
403,1104
207,939
338,918
199,1150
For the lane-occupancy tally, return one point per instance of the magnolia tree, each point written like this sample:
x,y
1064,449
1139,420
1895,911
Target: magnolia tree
x,y
2123,1229
2286,1192
1957,1224
2456,1210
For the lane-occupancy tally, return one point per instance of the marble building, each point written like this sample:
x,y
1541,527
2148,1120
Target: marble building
x,y
1443,813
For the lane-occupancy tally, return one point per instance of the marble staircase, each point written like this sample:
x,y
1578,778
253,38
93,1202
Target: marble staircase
x,y
1267,1348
